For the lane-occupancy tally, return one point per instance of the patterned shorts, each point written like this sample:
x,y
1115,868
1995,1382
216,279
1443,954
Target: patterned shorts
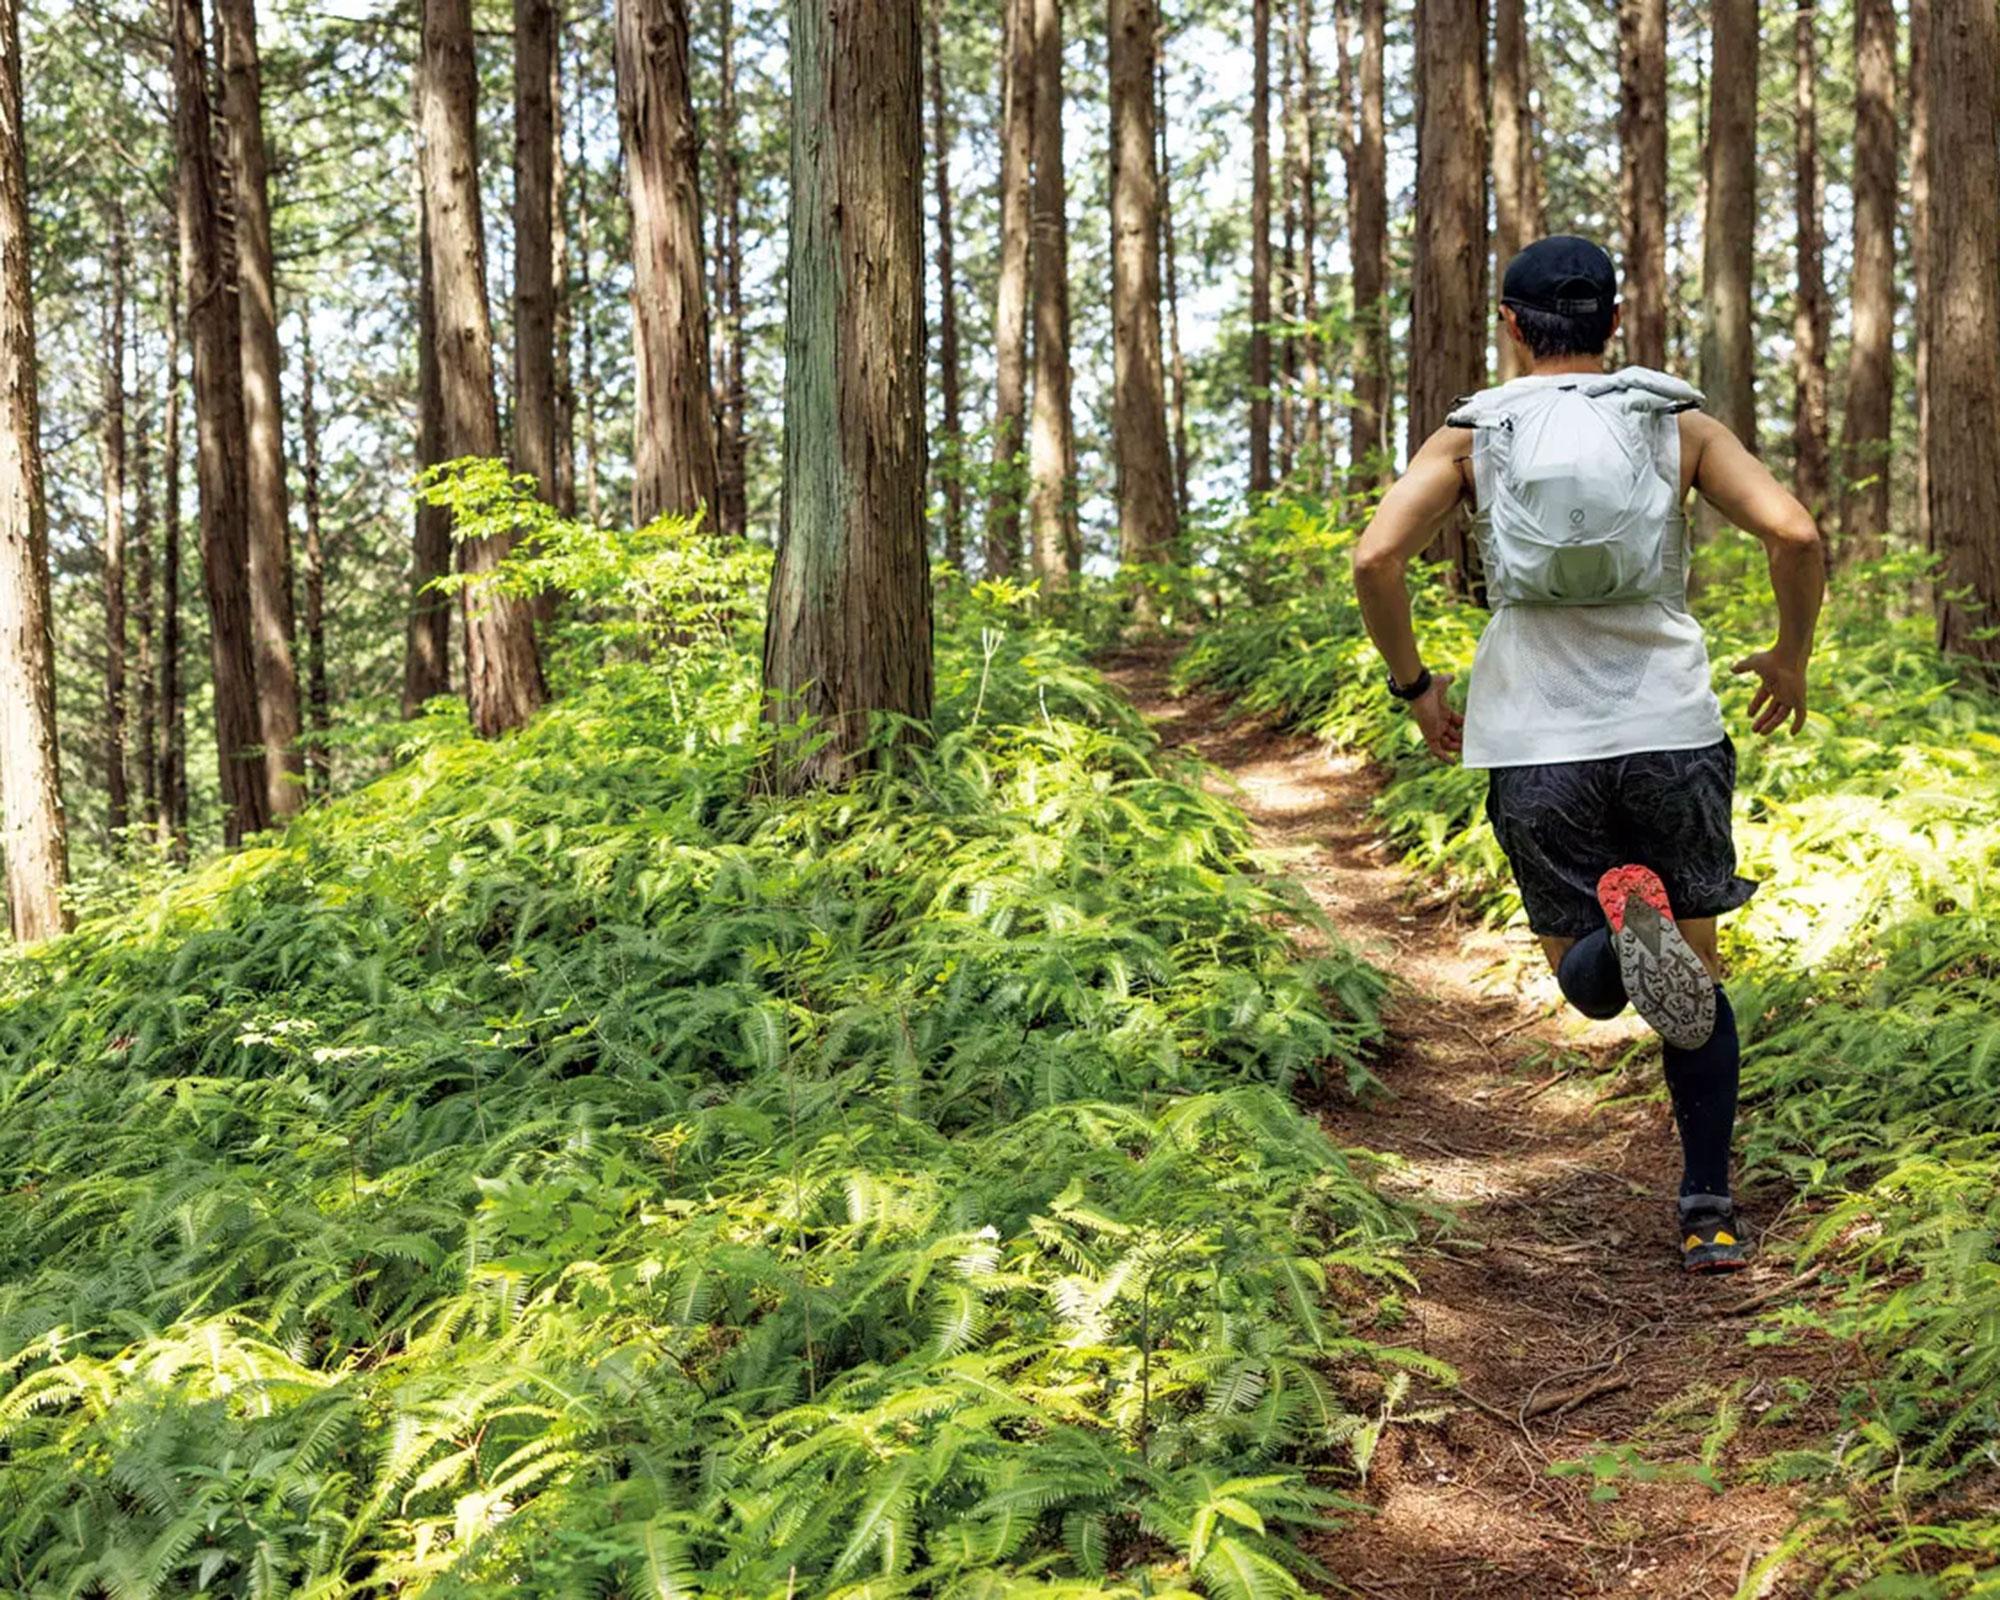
x,y
1566,823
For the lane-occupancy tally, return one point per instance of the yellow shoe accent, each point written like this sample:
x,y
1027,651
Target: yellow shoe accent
x,y
1691,1242
1724,1238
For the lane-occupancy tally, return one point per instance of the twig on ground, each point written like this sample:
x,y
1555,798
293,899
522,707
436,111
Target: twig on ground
x,y
1756,1302
1610,1383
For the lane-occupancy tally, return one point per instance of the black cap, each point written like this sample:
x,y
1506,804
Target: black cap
x,y
1563,274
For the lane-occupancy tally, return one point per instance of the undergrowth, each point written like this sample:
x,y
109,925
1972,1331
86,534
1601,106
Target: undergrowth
x,y
1865,972
562,1168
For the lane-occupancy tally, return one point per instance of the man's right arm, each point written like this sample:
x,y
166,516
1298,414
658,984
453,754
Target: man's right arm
x,y
1742,488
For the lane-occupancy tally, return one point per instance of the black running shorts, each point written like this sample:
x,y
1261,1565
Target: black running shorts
x,y
1566,823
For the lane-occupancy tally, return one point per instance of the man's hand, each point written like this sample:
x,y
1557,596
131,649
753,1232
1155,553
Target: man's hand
x,y
1443,728
1781,691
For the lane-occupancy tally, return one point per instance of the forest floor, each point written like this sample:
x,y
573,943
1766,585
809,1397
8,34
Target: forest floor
x,y
1548,1279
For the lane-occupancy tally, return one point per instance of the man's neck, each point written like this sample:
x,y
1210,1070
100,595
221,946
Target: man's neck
x,y
1563,366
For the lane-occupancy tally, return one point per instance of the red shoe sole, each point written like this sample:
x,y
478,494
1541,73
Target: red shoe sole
x,y
1620,883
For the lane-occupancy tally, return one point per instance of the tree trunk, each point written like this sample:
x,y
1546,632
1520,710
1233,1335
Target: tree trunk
x,y
534,245
941,141
319,707
1139,402
34,842
221,447
732,488
1368,233
1260,247
1809,308
269,521
427,636
1729,232
1448,312
1920,255
565,312
1871,357
587,299
1964,66
1287,345
1642,140
1512,156
503,676
145,628
1305,179
117,646
1057,544
1176,364
849,628
173,813
1010,303
674,467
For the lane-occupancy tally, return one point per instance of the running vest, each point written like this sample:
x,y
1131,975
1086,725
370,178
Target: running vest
x,y
1578,486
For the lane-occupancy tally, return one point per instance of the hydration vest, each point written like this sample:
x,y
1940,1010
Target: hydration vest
x,y
1578,484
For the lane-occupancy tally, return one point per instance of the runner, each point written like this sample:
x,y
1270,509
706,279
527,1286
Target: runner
x,y
1590,700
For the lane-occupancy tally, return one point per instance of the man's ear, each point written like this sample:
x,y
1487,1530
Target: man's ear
x,y
1512,324
1617,317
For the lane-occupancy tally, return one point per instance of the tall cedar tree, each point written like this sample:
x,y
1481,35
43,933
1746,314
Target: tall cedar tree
x,y
1809,308
1303,144
1170,272
269,522
1729,232
674,465
145,625
848,633
1964,66
564,326
503,675
726,313
1642,142
215,333
117,645
319,705
1513,153
1260,246
1285,347
1010,295
948,381
1368,233
1871,356
534,244
1448,314
427,634
1057,540
34,840
1920,254
1139,400
173,813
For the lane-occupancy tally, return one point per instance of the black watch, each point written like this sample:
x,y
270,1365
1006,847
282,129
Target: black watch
x,y
1414,691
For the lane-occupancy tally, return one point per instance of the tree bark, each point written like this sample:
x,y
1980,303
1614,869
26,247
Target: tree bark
x,y
674,468
1963,61
565,309
1305,180
145,625
941,141
1139,402
1286,346
221,446
849,628
1920,255
1728,344
732,488
587,300
1511,152
35,840
503,675
427,634
1448,313
1176,363
1010,304
269,521
117,644
173,812
1058,546
1642,141
534,245
1809,307
1871,358
1368,232
1260,247
319,705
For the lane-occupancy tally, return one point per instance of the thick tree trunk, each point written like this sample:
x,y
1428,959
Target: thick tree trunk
x,y
1176,363
849,629
534,245
503,675
1310,403
1642,140
565,313
1368,233
1963,61
319,705
1057,544
1260,247
1920,255
1139,402
263,410
1010,304
117,644
1871,358
732,488
173,813
221,447
1809,308
941,141
1286,346
1513,157
1729,233
1448,313
674,467
34,841
427,635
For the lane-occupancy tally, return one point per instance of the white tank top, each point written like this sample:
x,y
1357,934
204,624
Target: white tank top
x,y
1579,683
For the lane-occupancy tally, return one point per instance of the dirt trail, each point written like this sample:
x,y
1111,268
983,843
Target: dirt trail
x,y
1553,1281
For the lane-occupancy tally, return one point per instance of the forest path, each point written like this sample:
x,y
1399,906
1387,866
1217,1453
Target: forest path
x,y
1550,1285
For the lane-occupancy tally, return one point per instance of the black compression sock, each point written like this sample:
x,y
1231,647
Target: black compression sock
x,y
1702,1082
1589,979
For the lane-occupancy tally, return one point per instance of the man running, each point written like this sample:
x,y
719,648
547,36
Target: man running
x,y
1590,701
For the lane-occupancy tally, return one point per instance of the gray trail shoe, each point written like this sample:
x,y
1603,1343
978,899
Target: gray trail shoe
x,y
1710,1240
1665,979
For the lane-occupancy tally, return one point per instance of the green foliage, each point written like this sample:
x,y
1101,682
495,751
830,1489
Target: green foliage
x,y
1864,972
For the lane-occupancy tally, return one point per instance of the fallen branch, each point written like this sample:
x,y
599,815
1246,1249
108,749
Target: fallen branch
x,y
1610,1383
1757,1302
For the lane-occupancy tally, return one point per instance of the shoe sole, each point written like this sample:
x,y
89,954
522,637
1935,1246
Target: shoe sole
x,y
1667,982
1713,1264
